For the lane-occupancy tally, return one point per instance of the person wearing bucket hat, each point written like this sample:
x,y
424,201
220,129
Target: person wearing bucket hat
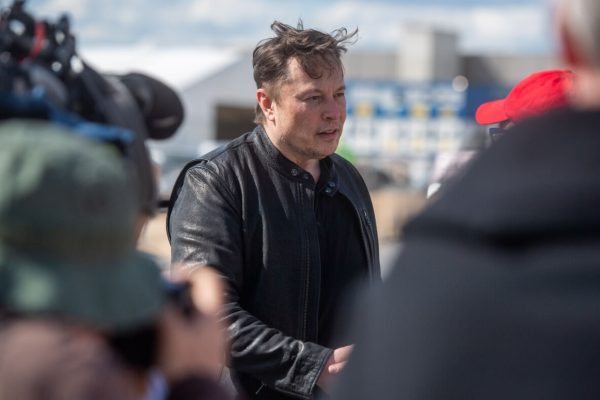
x,y
67,255
536,94
67,218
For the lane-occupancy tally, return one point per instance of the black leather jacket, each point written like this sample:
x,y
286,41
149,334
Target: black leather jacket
x,y
247,211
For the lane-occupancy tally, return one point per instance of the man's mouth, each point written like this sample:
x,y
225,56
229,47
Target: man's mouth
x,y
329,132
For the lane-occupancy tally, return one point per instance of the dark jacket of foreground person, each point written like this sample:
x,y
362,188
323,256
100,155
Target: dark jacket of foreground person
x,y
497,293
274,269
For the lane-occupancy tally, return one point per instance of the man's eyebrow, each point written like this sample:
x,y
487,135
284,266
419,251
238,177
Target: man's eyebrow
x,y
319,91
308,91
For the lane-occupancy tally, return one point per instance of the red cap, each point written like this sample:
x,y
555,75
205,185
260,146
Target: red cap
x,y
534,95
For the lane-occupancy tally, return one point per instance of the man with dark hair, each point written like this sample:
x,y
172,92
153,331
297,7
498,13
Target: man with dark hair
x,y
496,293
287,223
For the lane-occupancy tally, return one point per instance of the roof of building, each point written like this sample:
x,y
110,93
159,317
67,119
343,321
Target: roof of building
x,y
180,67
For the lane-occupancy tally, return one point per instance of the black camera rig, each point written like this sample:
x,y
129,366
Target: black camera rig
x,y
43,77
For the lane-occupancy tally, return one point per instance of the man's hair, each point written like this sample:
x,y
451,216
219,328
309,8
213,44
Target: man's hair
x,y
582,19
314,50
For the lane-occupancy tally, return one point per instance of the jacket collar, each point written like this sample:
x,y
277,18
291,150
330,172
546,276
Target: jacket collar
x,y
291,170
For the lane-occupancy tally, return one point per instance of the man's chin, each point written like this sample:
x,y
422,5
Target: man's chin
x,y
326,152
320,153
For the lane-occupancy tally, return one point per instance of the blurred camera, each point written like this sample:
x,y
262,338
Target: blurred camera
x,y
43,77
179,294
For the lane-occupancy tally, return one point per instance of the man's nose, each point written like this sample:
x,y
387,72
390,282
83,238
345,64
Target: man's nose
x,y
332,109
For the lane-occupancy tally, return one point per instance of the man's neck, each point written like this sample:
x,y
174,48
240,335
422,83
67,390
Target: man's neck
x,y
314,169
311,166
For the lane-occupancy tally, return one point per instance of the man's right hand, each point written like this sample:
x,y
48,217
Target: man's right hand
x,y
335,364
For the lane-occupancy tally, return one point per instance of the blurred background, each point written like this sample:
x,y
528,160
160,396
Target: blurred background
x,y
415,76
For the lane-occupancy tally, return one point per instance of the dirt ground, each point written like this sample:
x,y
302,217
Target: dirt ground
x,y
154,240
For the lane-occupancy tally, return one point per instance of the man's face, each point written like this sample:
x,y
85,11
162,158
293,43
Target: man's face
x,y
308,114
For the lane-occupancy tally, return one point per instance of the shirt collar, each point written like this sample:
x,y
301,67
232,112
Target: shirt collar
x,y
291,170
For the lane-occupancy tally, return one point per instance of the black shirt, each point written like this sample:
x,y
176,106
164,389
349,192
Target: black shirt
x,y
343,261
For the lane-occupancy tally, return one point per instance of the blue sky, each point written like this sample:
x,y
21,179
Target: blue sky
x,y
491,26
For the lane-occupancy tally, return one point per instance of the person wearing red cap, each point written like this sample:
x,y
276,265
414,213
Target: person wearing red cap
x,y
496,293
537,94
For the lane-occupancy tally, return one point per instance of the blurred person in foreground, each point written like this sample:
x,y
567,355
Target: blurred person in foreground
x,y
534,95
69,269
286,222
49,360
496,293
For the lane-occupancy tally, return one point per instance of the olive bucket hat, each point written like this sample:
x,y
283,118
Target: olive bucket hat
x,y
67,221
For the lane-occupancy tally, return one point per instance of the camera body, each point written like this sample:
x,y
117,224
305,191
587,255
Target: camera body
x,y
43,77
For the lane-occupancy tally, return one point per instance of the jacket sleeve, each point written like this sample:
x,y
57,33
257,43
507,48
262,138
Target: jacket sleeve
x,y
206,229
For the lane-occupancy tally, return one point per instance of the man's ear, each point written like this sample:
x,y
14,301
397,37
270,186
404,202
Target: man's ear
x,y
266,103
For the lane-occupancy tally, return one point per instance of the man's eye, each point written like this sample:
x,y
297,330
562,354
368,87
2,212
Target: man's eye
x,y
340,94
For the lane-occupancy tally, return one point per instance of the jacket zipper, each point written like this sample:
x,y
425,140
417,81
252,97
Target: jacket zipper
x,y
306,287
364,219
307,280
262,385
